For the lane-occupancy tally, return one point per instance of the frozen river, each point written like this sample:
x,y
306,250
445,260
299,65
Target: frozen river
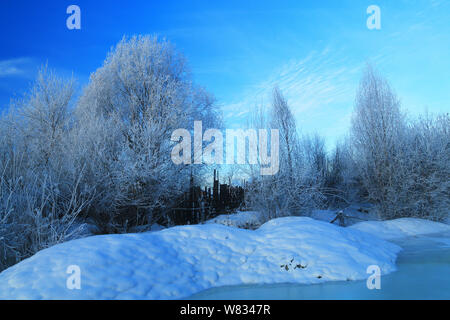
x,y
423,273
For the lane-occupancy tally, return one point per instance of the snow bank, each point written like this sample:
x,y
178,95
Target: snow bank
x,y
241,219
399,228
354,213
180,261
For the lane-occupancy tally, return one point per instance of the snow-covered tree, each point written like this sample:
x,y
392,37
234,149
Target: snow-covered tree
x,y
292,191
426,157
377,130
45,112
316,159
141,94
39,198
403,166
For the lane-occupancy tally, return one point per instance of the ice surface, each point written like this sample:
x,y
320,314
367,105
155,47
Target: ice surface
x,y
400,228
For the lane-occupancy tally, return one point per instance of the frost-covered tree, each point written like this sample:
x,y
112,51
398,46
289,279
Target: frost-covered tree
x,y
283,120
342,181
316,159
402,166
45,113
131,106
377,130
426,158
39,198
292,191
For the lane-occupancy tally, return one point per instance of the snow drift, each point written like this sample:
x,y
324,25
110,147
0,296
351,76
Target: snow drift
x,y
400,228
180,261
241,219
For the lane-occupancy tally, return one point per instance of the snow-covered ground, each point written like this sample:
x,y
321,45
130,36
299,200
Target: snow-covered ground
x,y
353,214
400,228
177,262
240,219
254,219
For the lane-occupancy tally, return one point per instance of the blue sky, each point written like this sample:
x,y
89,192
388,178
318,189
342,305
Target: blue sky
x,y
313,50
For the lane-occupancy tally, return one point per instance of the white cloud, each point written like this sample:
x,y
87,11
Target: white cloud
x,y
17,67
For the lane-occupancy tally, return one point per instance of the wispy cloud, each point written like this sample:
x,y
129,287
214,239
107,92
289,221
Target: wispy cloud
x,y
17,67
321,78
320,90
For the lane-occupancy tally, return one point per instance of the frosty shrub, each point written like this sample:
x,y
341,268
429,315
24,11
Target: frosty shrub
x,y
39,196
403,166
427,154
